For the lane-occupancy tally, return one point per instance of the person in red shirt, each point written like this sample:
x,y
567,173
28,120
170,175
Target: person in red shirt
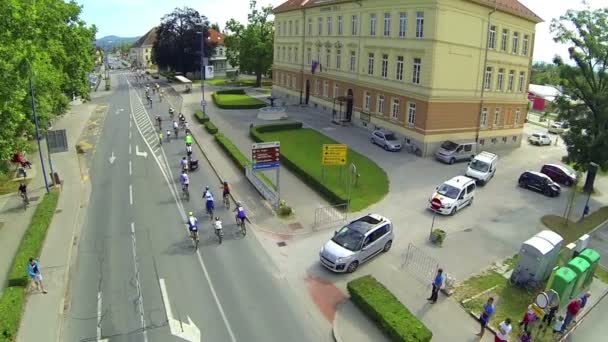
x,y
572,310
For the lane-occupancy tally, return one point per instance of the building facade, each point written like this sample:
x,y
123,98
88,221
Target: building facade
x,y
218,60
431,70
140,53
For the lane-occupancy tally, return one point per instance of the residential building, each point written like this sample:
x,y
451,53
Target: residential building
x,y
141,51
430,71
218,59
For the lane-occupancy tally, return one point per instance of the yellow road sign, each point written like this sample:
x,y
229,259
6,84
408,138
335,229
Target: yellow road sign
x,y
334,154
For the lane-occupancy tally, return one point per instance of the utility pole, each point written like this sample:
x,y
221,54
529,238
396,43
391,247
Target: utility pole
x,y
203,61
46,182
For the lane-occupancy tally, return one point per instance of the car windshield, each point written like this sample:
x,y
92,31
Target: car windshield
x,y
478,165
348,238
536,135
448,191
390,137
449,145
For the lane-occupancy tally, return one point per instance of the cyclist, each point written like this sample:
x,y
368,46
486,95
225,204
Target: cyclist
x,y
188,140
160,138
175,128
208,197
185,180
240,216
168,134
171,111
184,164
217,225
225,190
23,192
182,118
189,150
158,119
187,126
193,225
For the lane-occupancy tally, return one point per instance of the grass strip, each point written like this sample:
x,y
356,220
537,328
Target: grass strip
x,y
570,230
12,301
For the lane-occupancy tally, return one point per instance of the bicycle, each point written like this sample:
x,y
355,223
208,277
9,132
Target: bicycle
x,y
210,211
186,192
227,201
240,222
219,232
195,239
175,130
26,200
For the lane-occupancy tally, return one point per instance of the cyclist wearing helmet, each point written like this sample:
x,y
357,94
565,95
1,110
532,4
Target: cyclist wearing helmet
x,y
192,224
184,164
225,189
240,216
208,197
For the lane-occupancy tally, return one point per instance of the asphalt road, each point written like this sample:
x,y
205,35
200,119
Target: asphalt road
x,y
136,269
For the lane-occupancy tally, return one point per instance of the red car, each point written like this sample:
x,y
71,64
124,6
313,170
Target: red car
x,y
559,174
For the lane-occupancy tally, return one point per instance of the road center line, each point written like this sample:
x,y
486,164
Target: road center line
x,y
129,148
130,135
130,169
98,315
131,194
140,299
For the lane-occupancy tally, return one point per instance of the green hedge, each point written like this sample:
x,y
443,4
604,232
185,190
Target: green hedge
x,y
279,126
384,309
231,91
210,127
233,152
12,301
201,116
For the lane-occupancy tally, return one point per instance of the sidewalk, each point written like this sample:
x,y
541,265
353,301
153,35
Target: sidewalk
x,y
42,315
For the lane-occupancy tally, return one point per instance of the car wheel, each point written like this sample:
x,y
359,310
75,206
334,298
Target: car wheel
x,y
452,161
453,212
471,201
386,147
522,184
548,193
387,246
568,182
353,266
482,182
372,141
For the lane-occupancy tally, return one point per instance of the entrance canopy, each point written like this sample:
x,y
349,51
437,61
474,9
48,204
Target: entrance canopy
x,y
182,79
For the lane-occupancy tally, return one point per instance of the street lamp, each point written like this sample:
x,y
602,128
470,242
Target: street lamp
x,y
202,23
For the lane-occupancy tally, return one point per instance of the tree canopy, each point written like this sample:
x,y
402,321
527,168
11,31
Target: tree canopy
x,y
545,73
250,47
46,40
178,40
584,103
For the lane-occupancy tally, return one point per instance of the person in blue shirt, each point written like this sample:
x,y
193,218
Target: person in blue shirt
x,y
488,311
33,270
437,285
208,197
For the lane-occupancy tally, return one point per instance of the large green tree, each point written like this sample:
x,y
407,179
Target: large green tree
x,y
584,103
545,73
178,40
44,40
250,48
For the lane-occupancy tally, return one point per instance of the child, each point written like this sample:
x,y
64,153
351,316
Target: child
x,y
559,323
529,316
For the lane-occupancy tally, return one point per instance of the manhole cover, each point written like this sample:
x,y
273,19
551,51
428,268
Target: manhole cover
x,y
281,244
294,226
58,211
34,198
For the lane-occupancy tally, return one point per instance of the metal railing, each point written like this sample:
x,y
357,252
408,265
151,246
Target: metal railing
x,y
330,215
422,265
270,194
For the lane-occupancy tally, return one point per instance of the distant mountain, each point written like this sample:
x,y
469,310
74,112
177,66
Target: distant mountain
x,y
109,42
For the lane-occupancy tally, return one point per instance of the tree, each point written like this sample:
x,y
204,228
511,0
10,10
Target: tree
x,y
178,40
250,47
545,73
584,103
216,27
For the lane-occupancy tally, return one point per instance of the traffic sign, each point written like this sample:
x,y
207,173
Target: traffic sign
x,y
265,156
203,103
436,203
334,154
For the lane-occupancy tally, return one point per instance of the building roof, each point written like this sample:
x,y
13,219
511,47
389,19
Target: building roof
x,y
147,39
546,92
509,6
216,37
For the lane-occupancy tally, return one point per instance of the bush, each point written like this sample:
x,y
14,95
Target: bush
x,y
210,127
233,152
12,301
383,308
231,91
279,127
201,116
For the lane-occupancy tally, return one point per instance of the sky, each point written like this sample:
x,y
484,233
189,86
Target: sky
x,y
129,18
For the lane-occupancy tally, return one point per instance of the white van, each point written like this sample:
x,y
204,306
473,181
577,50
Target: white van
x,y
482,167
454,195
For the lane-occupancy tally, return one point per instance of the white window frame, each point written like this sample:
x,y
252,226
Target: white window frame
x,y
354,22
411,114
416,69
380,104
524,46
387,24
326,88
330,25
487,79
370,64
384,70
353,61
515,43
522,81
372,24
328,59
500,79
511,81
338,59
317,85
395,109
517,116
366,100
492,37
504,43
399,68
496,120
309,56
483,119
419,24
340,25
336,90
402,24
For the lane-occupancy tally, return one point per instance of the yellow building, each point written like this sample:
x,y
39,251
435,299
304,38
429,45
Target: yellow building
x,y
429,70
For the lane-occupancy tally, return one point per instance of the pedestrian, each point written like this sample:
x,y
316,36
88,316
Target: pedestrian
x,y
584,299
559,324
503,331
525,337
488,311
571,311
437,285
529,316
548,318
33,270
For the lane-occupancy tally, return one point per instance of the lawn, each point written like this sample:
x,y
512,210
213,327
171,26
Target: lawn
x,y
237,99
248,82
303,148
571,231
8,185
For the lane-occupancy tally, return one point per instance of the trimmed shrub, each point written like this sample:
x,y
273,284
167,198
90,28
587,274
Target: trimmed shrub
x,y
201,116
231,91
279,126
210,127
384,309
233,152
236,99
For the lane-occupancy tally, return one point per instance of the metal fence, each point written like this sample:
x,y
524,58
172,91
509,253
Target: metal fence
x,y
424,267
330,215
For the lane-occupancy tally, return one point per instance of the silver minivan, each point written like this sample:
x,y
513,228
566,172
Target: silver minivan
x,y
356,243
451,152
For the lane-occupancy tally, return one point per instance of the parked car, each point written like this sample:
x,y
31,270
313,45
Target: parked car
x,y
558,127
450,152
386,139
539,182
454,195
356,243
559,173
483,167
539,139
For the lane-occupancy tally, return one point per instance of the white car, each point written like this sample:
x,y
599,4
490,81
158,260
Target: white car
x,y
453,195
558,127
539,139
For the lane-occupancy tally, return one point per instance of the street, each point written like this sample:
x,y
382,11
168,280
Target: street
x,y
138,276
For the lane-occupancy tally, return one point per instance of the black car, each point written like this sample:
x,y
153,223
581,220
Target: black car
x,y
559,174
539,182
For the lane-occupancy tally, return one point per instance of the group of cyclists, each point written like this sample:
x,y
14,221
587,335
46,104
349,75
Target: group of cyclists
x,y
181,123
155,89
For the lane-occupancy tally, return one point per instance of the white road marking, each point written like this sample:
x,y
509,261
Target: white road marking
x,y
130,169
131,194
187,331
129,148
130,135
112,158
99,316
140,154
130,123
137,283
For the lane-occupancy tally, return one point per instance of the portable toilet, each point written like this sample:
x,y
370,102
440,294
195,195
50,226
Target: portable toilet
x,y
593,258
581,267
563,282
557,241
534,259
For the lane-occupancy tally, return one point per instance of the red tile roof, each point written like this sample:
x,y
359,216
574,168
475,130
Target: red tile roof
x,y
147,39
216,37
509,6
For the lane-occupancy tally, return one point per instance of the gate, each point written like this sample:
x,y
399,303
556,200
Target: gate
x,y
424,267
330,215
267,191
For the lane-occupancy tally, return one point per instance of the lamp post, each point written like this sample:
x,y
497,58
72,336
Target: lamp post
x,y
46,182
202,23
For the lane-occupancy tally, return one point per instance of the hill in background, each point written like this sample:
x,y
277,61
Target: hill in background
x,y
108,42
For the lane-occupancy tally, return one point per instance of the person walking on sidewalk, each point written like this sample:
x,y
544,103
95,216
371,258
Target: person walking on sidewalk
x,y
584,299
488,311
572,310
33,270
529,317
437,285
503,331
550,316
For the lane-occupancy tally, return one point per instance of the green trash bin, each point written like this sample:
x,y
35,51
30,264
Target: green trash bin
x,y
563,282
581,267
593,258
